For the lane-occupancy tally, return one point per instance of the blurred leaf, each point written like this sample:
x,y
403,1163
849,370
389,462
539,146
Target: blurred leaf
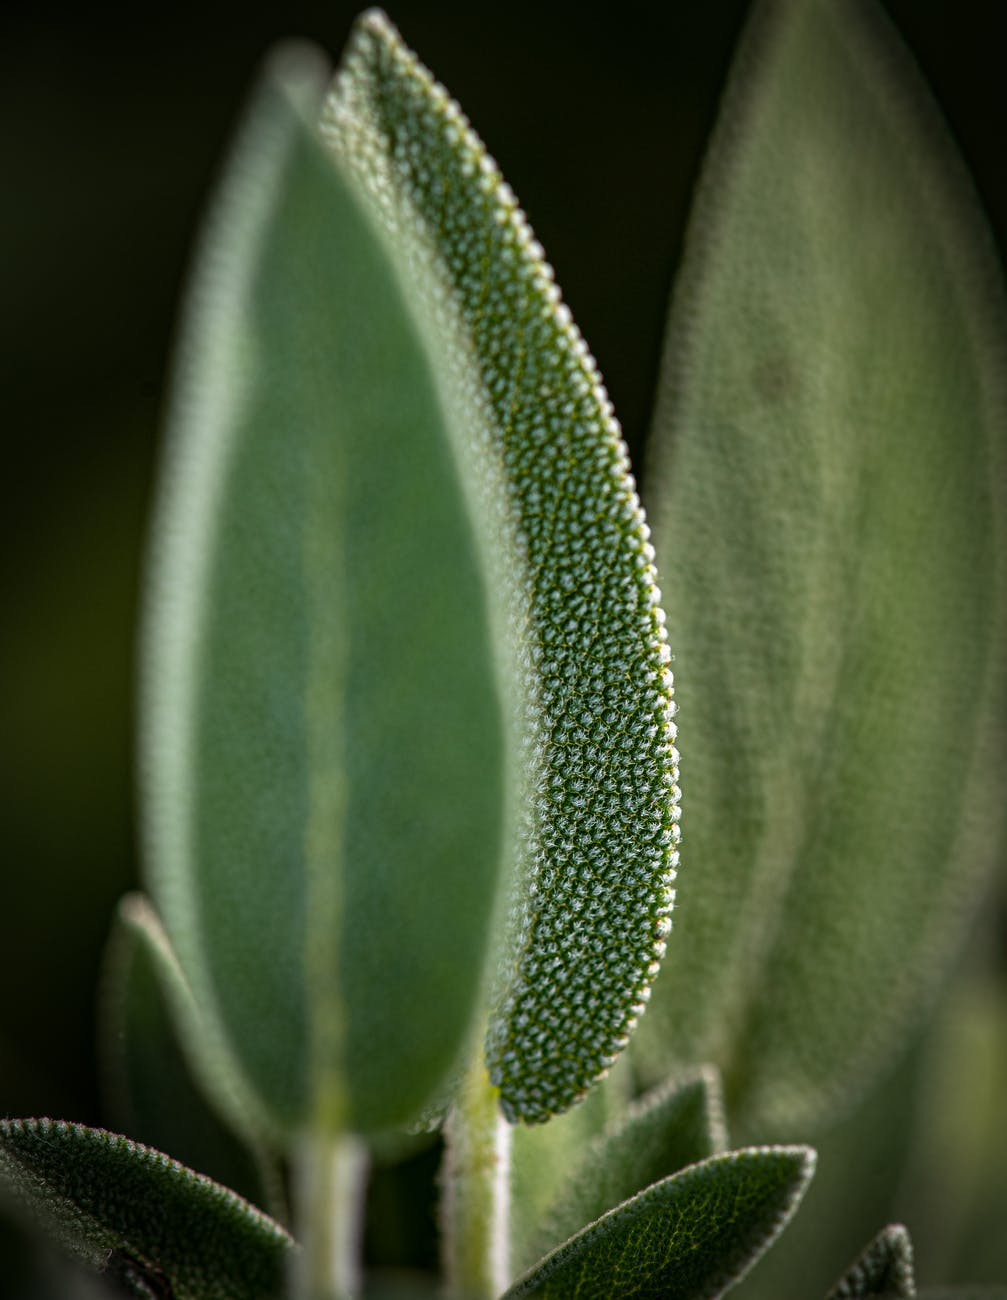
x,y
141,1216
829,447
323,741
884,1268
690,1236
597,847
677,1124
152,1095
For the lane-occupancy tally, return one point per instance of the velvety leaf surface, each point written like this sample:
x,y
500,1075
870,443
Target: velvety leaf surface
x,y
884,1268
140,1215
690,1236
323,740
829,501
150,1092
677,1124
597,849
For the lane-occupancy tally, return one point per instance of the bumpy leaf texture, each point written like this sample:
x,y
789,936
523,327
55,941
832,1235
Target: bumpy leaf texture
x,y
598,854
691,1236
830,516
884,1268
140,1216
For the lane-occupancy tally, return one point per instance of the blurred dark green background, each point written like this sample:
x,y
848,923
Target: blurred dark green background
x,y
113,123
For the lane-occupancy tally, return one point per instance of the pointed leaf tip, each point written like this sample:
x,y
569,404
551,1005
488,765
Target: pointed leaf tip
x,y
883,1268
591,662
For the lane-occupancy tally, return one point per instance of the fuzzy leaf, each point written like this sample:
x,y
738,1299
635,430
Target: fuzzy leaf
x,y
323,741
141,1216
597,850
829,500
884,1268
151,1093
691,1236
677,1124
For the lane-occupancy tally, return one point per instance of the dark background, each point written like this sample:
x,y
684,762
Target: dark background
x,y
113,125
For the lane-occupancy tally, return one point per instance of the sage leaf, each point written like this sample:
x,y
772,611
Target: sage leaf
x,y
677,1124
691,1236
597,844
323,743
150,1091
131,1211
884,1268
829,512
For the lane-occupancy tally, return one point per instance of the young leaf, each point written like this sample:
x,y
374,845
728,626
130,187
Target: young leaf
x,y
597,854
151,1093
323,739
691,1236
829,446
677,1124
885,1268
140,1216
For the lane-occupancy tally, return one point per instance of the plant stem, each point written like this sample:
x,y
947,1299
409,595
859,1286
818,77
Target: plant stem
x,y
475,1190
329,1187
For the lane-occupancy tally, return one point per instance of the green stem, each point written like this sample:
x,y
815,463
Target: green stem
x,y
329,1188
475,1189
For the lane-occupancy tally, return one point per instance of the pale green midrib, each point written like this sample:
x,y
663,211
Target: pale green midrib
x,y
198,474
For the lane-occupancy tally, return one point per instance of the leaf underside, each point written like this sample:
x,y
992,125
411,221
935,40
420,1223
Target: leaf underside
x,y
141,1215
828,503
588,649
691,1236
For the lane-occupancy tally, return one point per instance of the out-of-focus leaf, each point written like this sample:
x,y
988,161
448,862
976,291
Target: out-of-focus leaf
x,y
323,738
152,1095
597,848
829,508
691,1236
141,1216
884,1268
677,1124
963,1293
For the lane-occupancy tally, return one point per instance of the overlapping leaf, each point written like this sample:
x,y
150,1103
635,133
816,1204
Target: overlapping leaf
x,y
140,1216
690,1236
884,1268
597,852
323,739
829,449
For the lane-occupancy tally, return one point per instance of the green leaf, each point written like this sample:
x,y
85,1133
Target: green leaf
x,y
597,845
323,737
142,1216
691,1236
829,500
677,1124
150,1090
884,1268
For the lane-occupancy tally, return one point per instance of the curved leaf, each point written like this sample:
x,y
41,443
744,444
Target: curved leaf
x,y
323,738
829,447
691,1236
140,1215
597,855
884,1268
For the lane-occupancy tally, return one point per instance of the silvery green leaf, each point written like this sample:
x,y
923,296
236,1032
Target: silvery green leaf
x,y
884,1268
323,741
150,1091
140,1216
677,1124
829,513
597,854
691,1236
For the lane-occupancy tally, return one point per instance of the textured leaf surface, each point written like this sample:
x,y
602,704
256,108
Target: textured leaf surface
x,y
676,1125
829,448
885,1268
597,855
140,1215
690,1236
151,1093
323,738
